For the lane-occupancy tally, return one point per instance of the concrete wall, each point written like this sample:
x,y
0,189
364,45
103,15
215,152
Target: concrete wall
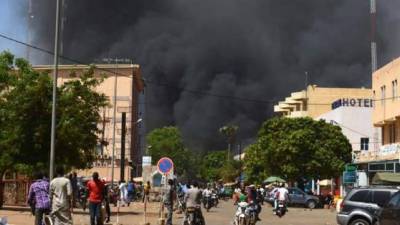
x,y
355,123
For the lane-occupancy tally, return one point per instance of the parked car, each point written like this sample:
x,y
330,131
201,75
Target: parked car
x,y
390,213
296,197
361,205
299,197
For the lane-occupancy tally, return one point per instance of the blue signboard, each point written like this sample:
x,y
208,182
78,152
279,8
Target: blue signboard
x,y
165,165
349,177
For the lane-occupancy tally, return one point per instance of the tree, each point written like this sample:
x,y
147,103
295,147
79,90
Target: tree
x,y
229,131
167,142
255,168
294,148
25,117
211,165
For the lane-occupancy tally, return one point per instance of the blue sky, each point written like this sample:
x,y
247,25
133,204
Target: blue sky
x,y
13,23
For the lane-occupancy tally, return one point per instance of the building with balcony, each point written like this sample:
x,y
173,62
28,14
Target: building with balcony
x,y
386,115
129,88
315,101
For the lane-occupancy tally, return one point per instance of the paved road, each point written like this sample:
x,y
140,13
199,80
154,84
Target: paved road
x,y
296,216
223,215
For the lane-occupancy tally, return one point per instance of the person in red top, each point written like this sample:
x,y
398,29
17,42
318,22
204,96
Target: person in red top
x,y
96,195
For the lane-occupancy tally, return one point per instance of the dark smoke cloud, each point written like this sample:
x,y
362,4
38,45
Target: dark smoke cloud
x,y
255,49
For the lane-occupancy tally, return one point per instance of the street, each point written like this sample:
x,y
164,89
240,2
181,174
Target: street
x,y
217,216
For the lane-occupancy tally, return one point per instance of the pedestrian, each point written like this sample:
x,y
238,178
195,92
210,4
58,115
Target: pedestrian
x,y
107,197
95,188
39,197
123,192
74,184
146,191
168,200
61,199
131,191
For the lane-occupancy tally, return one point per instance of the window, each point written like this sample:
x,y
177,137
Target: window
x,y
359,196
392,133
394,89
383,90
374,99
364,144
381,197
394,201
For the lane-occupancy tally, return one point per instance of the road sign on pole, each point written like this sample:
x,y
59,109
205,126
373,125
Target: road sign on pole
x,y
350,167
165,165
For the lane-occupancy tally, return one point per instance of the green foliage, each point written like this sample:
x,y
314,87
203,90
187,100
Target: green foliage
x,y
230,171
25,117
167,142
255,164
293,148
211,165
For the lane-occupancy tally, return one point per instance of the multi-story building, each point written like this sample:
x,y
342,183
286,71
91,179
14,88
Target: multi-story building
x,y
355,123
315,101
129,87
386,114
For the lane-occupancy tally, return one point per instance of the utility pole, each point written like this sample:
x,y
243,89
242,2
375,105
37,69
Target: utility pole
x,y
114,121
123,132
30,17
374,57
54,104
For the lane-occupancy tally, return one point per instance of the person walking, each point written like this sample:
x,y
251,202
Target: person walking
x,y
146,191
168,200
96,194
61,199
123,193
39,197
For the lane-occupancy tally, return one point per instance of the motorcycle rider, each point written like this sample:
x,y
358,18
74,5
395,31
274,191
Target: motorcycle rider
x,y
282,195
192,199
252,199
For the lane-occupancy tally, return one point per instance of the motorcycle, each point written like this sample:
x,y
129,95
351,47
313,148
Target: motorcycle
x,y
253,210
82,197
241,216
281,209
246,214
193,217
207,203
214,198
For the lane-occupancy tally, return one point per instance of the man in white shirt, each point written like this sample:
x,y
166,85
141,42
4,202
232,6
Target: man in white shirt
x,y
61,197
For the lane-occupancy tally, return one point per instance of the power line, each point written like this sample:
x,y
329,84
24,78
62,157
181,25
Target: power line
x,y
182,89
168,85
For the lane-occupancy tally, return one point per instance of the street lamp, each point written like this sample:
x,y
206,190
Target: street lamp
x,y
54,103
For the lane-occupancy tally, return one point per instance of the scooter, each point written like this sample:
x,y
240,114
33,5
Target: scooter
x,y
207,203
193,217
214,199
281,209
82,198
242,216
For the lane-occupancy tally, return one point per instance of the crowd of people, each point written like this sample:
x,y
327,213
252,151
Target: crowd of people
x,y
54,200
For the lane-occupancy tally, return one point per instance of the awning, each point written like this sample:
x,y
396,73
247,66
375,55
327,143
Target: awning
x,y
386,178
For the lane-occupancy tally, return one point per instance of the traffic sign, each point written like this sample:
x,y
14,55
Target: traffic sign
x,y
165,165
350,167
349,177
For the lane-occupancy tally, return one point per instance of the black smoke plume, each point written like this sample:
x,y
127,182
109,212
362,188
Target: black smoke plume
x,y
258,49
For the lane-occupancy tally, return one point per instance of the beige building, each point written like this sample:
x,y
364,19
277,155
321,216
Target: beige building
x,y
129,85
315,101
386,114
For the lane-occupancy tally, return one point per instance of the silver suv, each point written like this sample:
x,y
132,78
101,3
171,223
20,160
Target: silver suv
x,y
361,205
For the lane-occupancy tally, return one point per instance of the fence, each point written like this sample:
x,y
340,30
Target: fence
x,y
15,192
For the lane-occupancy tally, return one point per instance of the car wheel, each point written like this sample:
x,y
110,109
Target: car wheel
x,y
359,222
311,204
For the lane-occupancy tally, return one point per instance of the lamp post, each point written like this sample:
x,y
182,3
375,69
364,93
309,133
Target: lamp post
x,y
54,103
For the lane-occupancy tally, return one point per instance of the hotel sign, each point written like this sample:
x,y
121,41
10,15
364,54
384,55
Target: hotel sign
x,y
353,102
